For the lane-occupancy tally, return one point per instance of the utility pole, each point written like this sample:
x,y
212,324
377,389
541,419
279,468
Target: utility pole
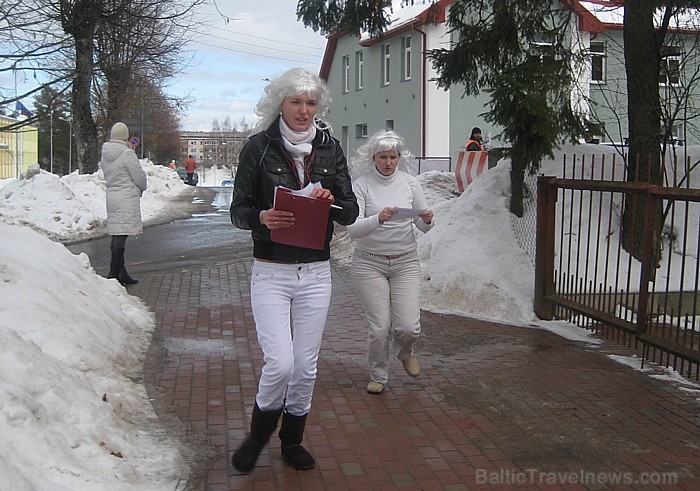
x,y
70,144
51,136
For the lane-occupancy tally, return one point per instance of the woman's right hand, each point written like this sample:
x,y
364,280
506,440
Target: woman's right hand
x,y
274,219
386,214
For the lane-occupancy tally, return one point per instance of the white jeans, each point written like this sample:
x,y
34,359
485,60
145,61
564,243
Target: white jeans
x,y
290,304
390,293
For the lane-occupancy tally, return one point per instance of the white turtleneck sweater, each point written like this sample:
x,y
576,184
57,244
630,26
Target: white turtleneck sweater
x,y
376,191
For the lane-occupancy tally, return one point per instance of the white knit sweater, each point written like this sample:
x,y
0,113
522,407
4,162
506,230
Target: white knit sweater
x,y
376,191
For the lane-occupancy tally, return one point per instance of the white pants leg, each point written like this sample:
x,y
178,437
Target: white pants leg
x,y
290,305
390,293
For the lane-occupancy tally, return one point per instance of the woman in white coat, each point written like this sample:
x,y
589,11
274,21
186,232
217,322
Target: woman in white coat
x,y
385,268
126,181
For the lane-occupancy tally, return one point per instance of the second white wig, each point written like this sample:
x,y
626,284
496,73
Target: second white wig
x,y
381,141
295,81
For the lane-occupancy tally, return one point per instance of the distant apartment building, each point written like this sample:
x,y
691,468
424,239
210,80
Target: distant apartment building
x,y
212,148
19,148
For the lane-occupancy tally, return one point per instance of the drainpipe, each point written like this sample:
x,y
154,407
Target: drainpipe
x,y
424,83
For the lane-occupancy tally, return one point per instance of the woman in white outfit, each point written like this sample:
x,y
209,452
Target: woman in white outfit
x,y
385,268
126,181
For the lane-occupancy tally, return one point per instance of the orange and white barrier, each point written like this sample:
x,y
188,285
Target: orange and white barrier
x,y
469,166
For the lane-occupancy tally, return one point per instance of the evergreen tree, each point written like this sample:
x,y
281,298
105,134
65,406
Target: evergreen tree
x,y
53,115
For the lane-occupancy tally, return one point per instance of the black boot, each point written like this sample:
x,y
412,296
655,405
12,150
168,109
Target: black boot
x,y
124,277
115,266
116,262
262,425
291,434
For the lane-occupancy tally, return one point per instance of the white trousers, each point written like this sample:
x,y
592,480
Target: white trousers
x,y
290,305
390,293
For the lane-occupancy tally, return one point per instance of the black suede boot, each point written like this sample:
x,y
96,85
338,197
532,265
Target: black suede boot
x,y
262,425
116,262
291,434
115,266
124,277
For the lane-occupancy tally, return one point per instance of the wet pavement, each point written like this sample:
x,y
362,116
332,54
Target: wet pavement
x,y
496,407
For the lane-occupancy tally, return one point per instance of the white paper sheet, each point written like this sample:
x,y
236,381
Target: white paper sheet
x,y
402,213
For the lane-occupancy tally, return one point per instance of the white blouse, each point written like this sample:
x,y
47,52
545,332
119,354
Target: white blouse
x,y
374,192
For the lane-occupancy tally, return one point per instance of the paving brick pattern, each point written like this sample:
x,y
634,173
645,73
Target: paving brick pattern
x,y
496,407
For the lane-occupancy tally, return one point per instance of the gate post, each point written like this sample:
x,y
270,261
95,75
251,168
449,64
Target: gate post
x,y
544,252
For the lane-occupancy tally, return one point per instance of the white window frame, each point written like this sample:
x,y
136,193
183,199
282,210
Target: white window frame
x,y
346,74
386,64
672,56
599,55
406,46
361,130
360,70
539,48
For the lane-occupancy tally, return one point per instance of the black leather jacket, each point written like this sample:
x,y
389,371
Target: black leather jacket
x,y
264,164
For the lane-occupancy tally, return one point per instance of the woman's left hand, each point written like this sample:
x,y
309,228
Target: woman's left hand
x,y
427,216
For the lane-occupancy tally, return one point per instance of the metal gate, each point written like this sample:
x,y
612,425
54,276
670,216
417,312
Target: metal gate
x,y
583,274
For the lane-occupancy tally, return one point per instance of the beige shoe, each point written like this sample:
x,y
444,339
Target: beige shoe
x,y
411,366
375,387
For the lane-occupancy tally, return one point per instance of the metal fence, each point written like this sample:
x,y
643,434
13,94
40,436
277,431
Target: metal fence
x,y
584,275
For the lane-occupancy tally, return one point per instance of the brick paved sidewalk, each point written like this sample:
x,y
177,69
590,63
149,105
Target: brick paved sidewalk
x,y
497,407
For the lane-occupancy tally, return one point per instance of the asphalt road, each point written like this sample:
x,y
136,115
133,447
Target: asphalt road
x,y
204,237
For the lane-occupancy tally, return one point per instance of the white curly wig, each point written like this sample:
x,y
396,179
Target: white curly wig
x,y
381,141
293,82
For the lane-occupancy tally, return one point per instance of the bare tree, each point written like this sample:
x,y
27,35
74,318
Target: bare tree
x,y
79,40
143,43
30,47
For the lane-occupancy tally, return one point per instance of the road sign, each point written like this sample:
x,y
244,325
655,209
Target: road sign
x,y
135,141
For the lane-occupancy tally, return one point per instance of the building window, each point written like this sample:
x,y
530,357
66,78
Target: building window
x,y
389,125
386,64
598,63
406,58
670,73
346,74
675,134
542,49
361,130
360,67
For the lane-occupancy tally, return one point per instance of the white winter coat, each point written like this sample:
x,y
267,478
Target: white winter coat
x,y
126,182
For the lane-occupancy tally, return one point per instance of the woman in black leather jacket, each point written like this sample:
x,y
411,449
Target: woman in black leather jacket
x,y
290,286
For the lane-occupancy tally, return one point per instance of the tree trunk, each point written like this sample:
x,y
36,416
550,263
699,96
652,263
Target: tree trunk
x,y
85,129
642,61
79,19
517,182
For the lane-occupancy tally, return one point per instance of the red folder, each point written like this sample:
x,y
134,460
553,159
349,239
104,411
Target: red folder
x,y
310,219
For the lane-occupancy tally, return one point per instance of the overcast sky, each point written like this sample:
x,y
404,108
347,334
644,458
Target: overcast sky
x,y
261,40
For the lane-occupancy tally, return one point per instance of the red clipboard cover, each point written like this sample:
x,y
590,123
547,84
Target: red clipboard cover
x,y
310,220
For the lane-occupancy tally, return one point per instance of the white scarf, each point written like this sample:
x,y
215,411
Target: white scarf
x,y
298,144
